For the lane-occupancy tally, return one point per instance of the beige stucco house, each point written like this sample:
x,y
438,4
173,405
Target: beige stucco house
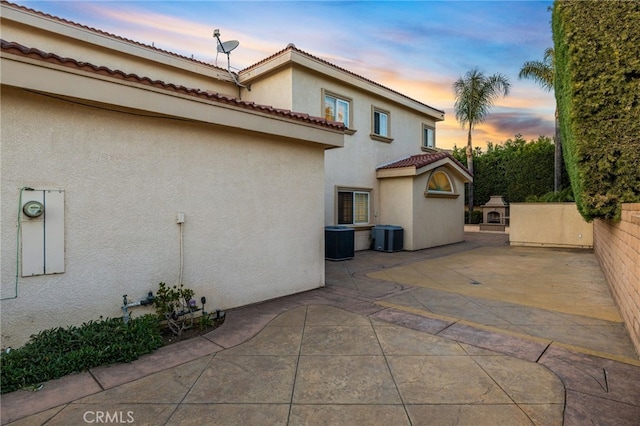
x,y
124,166
383,127
116,156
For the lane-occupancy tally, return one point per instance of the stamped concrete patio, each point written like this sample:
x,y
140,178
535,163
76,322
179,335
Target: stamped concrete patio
x,y
473,333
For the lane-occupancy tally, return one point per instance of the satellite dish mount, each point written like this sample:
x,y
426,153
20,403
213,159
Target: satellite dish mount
x,y
226,48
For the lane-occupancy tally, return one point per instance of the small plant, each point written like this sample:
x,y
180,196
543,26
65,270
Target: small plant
x,y
205,321
176,306
56,352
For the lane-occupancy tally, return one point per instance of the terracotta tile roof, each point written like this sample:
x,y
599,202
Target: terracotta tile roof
x,y
289,47
422,160
104,33
292,47
18,49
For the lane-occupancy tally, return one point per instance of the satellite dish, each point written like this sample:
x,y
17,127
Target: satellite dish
x,y
228,46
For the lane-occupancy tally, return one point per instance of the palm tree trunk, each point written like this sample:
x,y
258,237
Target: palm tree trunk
x,y
470,167
557,171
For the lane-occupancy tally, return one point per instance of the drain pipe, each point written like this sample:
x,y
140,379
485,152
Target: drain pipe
x,y
126,305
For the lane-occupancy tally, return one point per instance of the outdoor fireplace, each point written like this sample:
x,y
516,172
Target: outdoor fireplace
x,y
493,217
495,214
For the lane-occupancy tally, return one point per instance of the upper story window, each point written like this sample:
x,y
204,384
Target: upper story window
x,y
337,108
353,207
428,137
380,124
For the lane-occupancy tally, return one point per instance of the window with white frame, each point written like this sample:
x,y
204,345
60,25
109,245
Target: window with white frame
x,y
381,122
428,136
337,108
353,207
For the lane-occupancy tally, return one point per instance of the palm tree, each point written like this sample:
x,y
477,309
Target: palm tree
x,y
543,72
475,94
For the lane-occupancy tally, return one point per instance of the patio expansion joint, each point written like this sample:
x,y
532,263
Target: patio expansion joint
x,y
604,355
505,390
605,397
446,328
543,352
603,382
96,379
175,409
295,374
393,377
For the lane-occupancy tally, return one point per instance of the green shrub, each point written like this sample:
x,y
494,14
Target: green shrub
x,y
476,217
170,301
564,196
175,306
60,351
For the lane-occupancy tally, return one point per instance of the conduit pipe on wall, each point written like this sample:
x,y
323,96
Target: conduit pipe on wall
x,y
181,224
19,231
149,299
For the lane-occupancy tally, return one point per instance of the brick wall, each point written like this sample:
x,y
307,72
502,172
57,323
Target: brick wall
x,y
617,247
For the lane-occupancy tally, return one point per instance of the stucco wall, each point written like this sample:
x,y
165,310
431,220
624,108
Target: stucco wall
x,y
549,225
253,230
275,90
437,221
354,165
427,221
397,196
617,248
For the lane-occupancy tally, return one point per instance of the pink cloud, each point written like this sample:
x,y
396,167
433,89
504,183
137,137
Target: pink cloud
x,y
179,35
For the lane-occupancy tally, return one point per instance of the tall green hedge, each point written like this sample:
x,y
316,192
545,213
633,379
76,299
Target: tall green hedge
x,y
597,87
515,169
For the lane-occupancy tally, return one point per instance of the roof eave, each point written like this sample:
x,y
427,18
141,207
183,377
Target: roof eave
x,y
396,172
34,70
411,171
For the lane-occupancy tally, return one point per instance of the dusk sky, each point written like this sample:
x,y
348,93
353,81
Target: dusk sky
x,y
418,48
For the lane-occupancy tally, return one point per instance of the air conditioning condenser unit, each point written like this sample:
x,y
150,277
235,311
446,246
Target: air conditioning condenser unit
x,y
387,238
338,243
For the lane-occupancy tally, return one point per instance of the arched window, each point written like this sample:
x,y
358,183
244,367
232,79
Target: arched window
x,y
440,182
440,185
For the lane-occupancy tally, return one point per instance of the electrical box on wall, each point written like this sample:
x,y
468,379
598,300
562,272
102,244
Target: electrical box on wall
x,y
42,232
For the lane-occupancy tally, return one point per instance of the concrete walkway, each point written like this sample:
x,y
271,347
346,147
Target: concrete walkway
x,y
472,333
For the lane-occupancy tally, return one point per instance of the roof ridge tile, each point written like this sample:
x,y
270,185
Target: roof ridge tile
x,y
292,47
422,160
